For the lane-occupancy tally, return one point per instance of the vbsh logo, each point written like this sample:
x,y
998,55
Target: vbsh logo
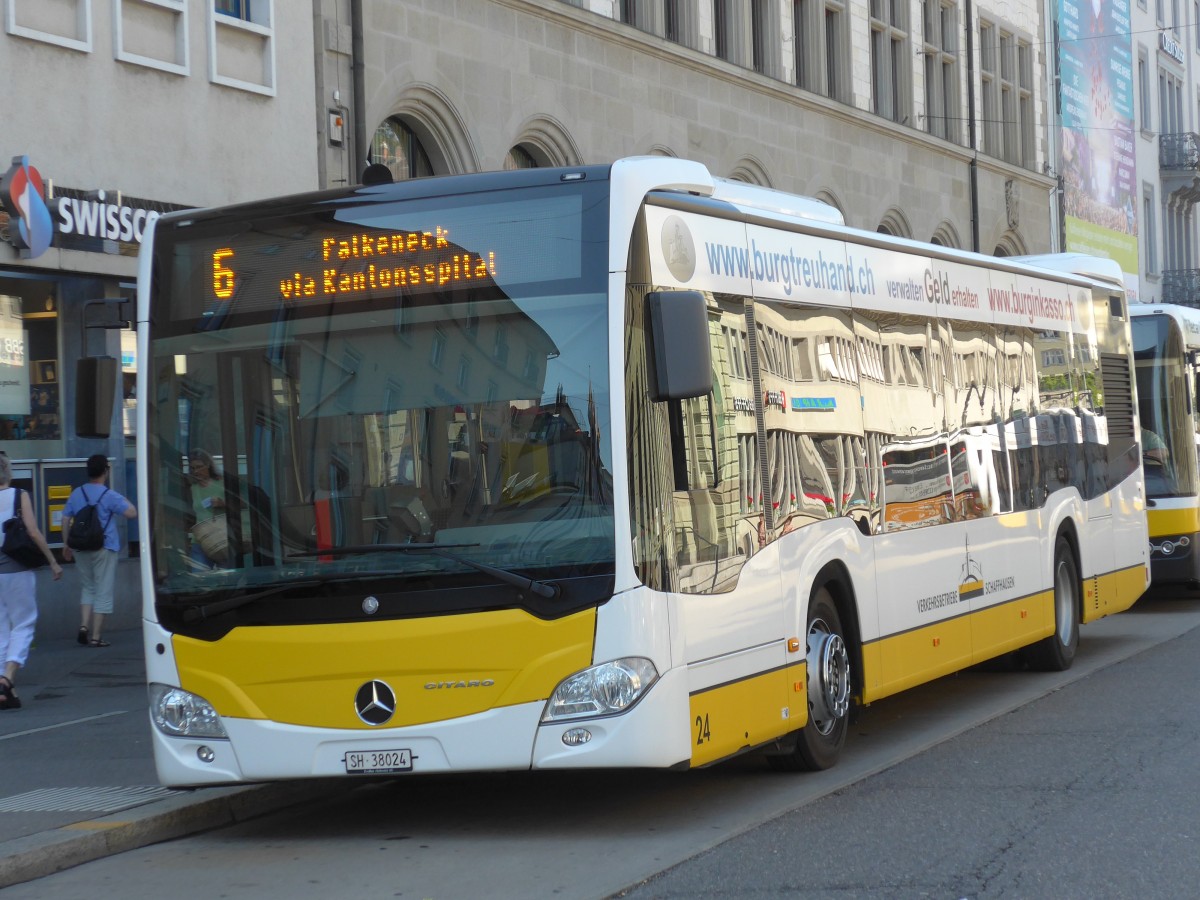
x,y
23,197
678,249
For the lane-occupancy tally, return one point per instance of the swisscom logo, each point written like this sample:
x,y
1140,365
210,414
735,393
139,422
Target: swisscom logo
x,y
24,196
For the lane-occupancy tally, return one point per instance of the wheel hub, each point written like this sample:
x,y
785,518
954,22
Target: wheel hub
x,y
1064,597
828,677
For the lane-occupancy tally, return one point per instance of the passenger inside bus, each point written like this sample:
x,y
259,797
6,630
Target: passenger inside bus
x,y
1156,460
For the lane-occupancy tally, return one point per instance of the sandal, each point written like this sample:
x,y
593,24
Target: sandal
x,y
82,637
8,700
96,642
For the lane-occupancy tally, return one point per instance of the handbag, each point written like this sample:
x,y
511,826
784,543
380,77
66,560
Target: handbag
x,y
213,537
18,545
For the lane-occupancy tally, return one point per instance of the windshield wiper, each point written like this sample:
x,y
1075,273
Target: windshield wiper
x,y
202,611
541,588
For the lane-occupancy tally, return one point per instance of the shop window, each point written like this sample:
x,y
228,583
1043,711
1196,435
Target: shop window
x,y
30,378
129,384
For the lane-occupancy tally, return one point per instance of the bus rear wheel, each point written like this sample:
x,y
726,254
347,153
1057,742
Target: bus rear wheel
x,y
820,742
1057,652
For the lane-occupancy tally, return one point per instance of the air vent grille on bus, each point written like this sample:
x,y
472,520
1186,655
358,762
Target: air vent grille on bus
x,y
1118,394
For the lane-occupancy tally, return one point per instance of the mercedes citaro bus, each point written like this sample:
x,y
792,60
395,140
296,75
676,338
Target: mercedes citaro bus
x,y
609,466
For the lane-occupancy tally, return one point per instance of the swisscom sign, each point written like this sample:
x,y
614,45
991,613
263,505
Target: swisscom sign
x,y
69,218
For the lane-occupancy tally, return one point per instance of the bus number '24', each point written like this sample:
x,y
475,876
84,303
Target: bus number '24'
x,y
702,731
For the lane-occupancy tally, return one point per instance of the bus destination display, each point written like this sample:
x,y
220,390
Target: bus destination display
x,y
358,264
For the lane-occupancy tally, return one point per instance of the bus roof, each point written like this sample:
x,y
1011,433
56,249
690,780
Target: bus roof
x,y
638,177
762,199
634,178
1097,268
1187,317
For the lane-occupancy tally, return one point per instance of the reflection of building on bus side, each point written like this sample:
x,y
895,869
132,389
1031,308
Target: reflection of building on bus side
x,y
896,421
933,481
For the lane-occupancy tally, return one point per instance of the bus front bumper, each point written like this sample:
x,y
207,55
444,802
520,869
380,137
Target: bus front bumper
x,y
652,734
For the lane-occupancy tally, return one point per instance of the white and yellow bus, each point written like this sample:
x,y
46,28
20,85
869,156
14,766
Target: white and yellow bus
x,y
593,468
1166,345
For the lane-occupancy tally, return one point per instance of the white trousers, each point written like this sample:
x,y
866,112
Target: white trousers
x,y
18,615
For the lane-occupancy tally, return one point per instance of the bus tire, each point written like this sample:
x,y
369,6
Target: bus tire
x,y
819,743
1057,652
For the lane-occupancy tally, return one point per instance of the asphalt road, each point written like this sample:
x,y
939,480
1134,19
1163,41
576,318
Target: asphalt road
x,y
992,783
1092,792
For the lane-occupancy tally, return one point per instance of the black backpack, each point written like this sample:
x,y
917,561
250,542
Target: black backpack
x,y
87,533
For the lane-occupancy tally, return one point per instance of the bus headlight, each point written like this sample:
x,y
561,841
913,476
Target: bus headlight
x,y
603,690
180,714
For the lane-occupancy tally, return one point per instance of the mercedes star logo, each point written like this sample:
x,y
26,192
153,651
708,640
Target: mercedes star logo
x,y
375,702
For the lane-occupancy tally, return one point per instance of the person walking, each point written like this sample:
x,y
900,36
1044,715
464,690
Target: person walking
x,y
18,597
97,568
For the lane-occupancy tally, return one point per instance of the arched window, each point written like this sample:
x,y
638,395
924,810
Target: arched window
x,y
945,236
520,158
751,171
1010,244
397,146
827,197
895,223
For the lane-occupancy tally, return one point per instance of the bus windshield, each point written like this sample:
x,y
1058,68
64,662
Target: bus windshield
x,y
332,385
1168,425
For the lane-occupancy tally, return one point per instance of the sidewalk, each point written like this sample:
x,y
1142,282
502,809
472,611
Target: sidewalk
x,y
77,778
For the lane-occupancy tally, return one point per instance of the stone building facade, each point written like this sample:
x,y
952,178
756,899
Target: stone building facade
x,y
875,107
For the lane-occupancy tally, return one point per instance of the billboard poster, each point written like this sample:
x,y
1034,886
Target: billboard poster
x,y
1095,66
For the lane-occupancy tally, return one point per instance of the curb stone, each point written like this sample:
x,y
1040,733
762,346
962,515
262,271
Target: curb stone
x,y
37,855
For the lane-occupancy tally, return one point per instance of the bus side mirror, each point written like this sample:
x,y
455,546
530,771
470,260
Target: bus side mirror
x,y
680,356
95,393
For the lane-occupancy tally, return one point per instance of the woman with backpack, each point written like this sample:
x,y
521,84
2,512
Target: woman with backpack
x,y
93,541
18,597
